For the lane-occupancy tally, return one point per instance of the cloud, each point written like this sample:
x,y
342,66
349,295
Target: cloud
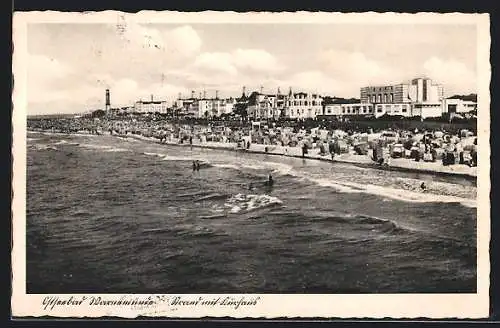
x,y
355,66
453,74
184,40
142,37
255,59
225,69
243,60
180,41
215,62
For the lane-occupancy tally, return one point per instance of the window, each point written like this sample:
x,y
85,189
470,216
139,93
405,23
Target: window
x,y
403,109
343,110
373,98
391,98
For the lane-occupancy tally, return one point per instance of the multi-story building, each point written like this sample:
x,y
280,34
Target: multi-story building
x,y
419,90
204,107
420,97
302,105
266,106
227,106
222,106
261,106
184,106
152,106
398,93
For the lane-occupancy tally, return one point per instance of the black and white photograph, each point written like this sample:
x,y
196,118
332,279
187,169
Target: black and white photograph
x,y
247,156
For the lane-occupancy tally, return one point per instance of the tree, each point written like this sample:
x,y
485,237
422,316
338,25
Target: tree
x,y
241,109
98,113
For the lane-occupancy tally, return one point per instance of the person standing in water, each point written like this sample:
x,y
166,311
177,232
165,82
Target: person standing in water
x,y
270,181
198,166
194,166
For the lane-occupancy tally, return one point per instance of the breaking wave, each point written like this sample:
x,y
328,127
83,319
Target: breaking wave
x,y
383,191
104,148
64,142
44,147
246,203
154,154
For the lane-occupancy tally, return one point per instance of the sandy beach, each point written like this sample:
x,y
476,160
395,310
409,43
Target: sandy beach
x,y
396,164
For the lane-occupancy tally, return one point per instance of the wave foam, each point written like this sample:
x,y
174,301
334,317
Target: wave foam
x,y
105,148
176,158
44,147
93,146
246,203
64,142
227,166
394,193
154,154
116,150
277,168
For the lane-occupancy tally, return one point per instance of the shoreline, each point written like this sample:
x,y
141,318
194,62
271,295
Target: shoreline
x,y
364,161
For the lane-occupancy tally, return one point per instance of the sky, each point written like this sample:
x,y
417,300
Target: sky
x,y
71,65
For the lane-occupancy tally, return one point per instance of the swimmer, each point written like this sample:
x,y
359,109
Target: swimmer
x,y
423,186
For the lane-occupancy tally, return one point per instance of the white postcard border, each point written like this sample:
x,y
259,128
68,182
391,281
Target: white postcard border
x,y
262,305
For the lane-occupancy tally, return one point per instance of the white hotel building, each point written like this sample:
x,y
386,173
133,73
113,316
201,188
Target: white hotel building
x,y
303,105
421,97
204,107
152,106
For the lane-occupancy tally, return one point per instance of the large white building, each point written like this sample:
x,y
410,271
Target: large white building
x,y
302,105
152,106
420,90
421,97
222,106
203,107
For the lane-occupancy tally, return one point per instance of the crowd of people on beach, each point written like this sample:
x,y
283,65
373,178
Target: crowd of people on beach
x,y
449,147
